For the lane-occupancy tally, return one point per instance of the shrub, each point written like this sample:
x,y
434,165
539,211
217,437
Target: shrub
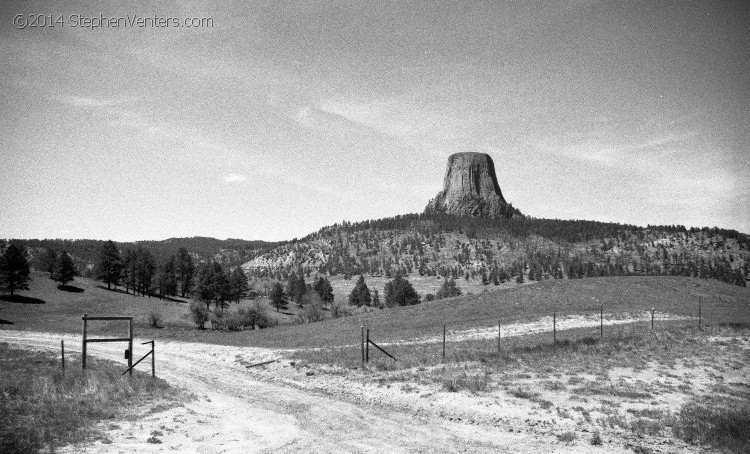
x,y
200,314
235,321
254,316
217,320
644,426
154,319
339,310
596,439
724,424
567,437
474,383
312,313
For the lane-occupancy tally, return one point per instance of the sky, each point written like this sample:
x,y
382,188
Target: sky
x,y
277,118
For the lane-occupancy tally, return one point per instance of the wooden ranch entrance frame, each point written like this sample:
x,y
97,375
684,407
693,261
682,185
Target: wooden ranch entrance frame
x,y
129,339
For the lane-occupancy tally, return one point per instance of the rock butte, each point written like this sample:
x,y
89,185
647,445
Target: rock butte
x,y
470,188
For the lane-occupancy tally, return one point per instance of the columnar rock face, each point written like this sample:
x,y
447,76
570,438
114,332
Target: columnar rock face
x,y
470,189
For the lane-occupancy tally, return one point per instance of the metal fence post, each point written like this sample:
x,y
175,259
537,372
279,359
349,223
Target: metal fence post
x,y
62,353
498,337
362,344
83,347
652,319
130,345
443,341
153,359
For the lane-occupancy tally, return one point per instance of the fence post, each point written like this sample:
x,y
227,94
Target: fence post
x,y
130,345
62,348
652,319
699,314
362,344
498,337
83,347
153,360
443,341
554,327
367,347
601,322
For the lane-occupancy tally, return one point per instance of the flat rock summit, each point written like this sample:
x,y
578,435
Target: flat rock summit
x,y
470,188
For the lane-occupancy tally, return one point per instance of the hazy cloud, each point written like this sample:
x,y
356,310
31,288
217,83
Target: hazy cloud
x,y
234,178
84,101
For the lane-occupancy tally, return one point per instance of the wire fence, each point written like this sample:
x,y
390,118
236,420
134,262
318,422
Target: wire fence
x,y
558,329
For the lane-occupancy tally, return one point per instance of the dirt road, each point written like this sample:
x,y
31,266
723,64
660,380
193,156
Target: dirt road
x,y
237,412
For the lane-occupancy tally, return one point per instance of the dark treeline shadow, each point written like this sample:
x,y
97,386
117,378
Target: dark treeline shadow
x,y
70,288
150,295
21,299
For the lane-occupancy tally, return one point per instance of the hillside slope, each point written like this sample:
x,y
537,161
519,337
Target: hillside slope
x,y
485,251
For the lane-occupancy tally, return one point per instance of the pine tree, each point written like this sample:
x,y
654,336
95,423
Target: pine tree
x,y
299,289
278,299
238,284
128,270
65,270
212,285
145,268
400,292
109,267
360,295
185,271
47,261
167,278
376,299
14,269
323,287
204,288
448,289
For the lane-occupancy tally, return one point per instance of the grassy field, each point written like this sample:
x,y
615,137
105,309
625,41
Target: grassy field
x,y
42,406
61,311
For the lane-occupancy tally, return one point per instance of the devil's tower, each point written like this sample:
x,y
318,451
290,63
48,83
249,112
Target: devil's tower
x,y
470,189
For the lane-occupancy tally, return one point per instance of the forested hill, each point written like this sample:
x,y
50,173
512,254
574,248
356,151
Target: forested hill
x,y
495,250
85,253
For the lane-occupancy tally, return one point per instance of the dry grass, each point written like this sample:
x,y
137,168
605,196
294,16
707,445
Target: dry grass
x,y
722,422
42,407
456,380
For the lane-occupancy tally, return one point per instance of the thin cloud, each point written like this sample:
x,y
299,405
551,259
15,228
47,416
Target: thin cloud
x,y
83,101
234,178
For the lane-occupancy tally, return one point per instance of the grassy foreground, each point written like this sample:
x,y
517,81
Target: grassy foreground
x,y
42,408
